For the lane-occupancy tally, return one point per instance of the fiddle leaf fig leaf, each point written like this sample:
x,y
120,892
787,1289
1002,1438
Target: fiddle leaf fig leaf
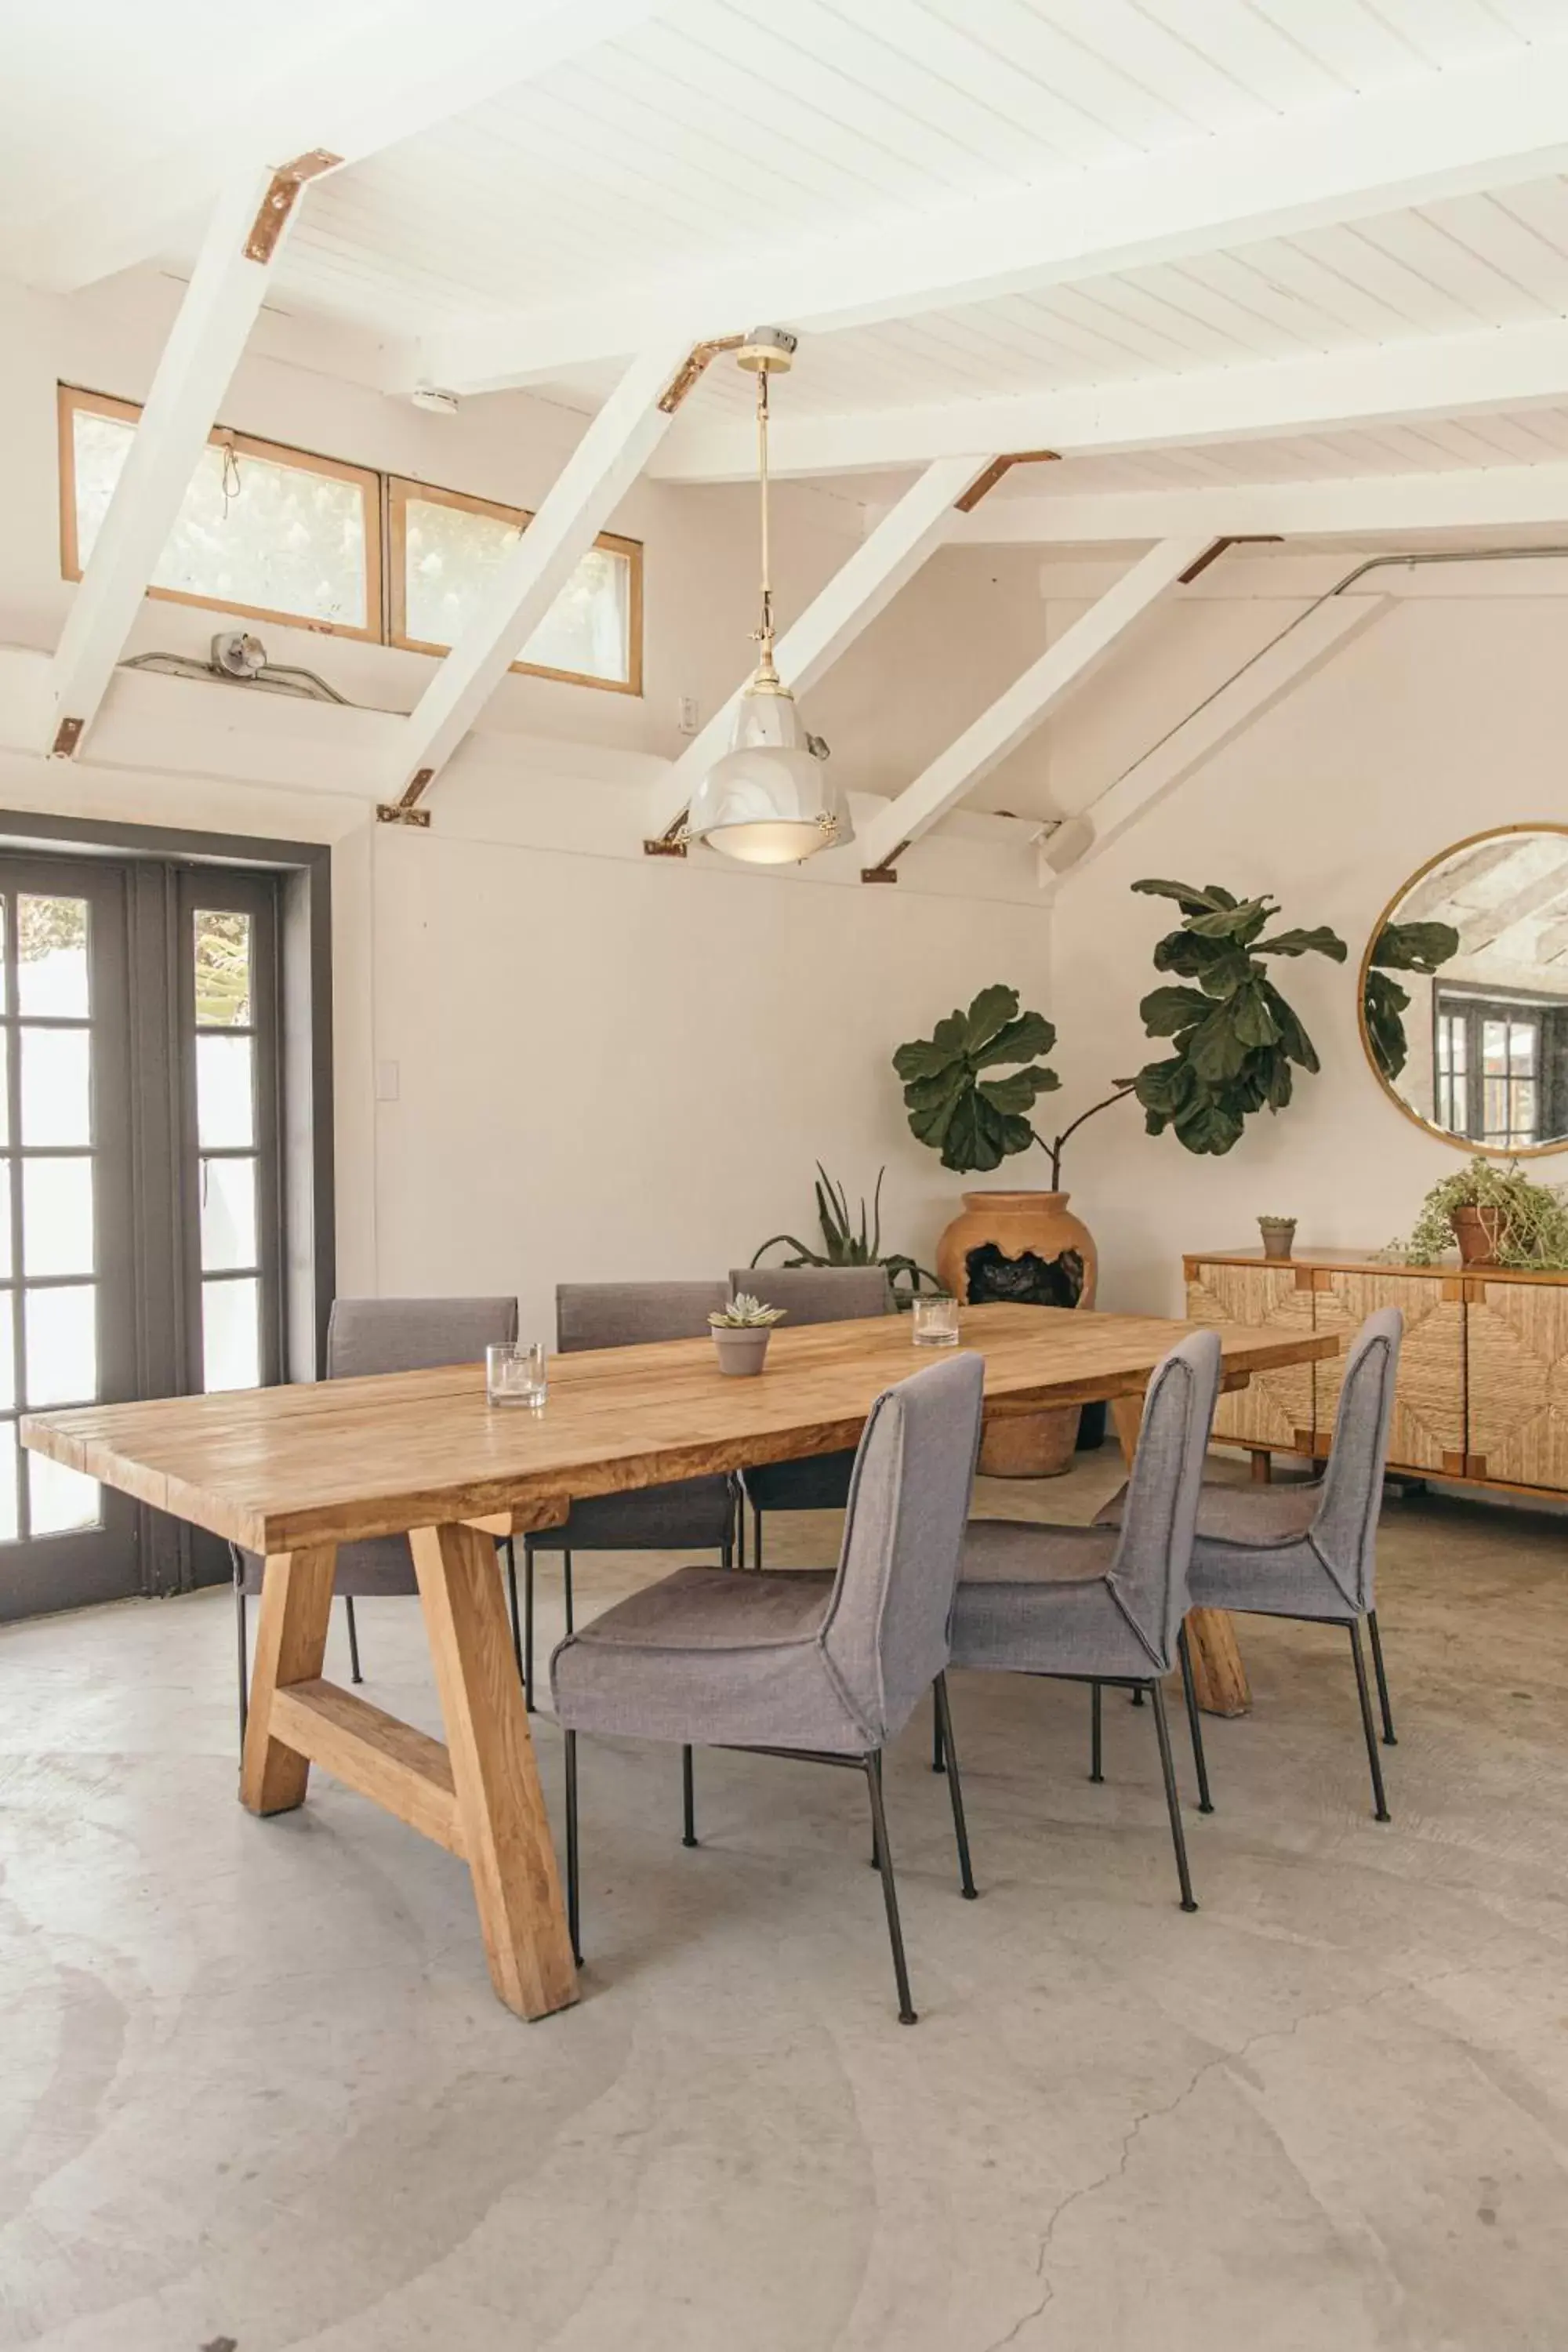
x,y
1320,942
1414,947
1166,1012
972,1121
989,1015
1020,1041
1014,1095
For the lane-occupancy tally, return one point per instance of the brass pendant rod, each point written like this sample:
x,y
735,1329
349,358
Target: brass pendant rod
x,y
765,634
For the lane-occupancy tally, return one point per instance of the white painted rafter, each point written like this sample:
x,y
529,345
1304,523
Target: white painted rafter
x,y
1427,375
1466,499
595,478
1015,715
1435,135
250,222
1277,671
860,589
352,95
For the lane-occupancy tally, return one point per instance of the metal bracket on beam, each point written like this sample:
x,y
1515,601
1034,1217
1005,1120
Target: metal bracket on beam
x,y
406,811
672,841
68,735
282,195
1240,538
887,870
994,472
691,368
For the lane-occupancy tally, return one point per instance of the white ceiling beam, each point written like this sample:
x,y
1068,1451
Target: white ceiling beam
x,y
1462,499
232,270
351,95
1425,375
889,556
1267,678
1435,135
999,730
590,486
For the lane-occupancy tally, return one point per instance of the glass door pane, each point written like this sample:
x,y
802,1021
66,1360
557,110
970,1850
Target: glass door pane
x,y
228,944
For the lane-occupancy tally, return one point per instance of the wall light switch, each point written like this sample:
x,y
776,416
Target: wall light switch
x,y
687,721
386,1082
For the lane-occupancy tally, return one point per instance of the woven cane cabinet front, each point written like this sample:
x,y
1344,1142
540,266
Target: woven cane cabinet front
x,y
1483,1375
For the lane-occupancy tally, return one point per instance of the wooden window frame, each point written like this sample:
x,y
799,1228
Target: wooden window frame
x,y
72,398
401,488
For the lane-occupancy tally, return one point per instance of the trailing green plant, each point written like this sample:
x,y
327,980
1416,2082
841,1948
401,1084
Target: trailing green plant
x,y
1399,947
1236,1040
745,1313
848,1240
1532,1219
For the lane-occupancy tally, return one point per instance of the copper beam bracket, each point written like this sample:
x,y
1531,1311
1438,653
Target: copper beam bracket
x,y
672,841
406,811
887,870
68,735
689,372
988,481
1212,554
282,195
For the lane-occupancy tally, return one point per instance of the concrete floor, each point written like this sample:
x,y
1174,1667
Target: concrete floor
x,y
256,2092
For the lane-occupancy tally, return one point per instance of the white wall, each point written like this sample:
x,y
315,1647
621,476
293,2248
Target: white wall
x,y
1449,714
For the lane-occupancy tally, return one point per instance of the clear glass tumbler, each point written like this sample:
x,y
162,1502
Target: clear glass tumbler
x,y
514,1373
935,1320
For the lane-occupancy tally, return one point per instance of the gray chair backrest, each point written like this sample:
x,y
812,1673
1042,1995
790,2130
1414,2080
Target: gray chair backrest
x,y
1344,1533
887,1629
816,1293
412,1335
1153,1557
623,1314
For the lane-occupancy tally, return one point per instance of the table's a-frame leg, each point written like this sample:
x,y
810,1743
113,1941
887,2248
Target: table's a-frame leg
x,y
501,1808
1219,1677
290,1645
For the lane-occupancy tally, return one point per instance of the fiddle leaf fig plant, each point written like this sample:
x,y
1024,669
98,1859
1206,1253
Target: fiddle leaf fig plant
x,y
1399,947
1236,1040
962,1095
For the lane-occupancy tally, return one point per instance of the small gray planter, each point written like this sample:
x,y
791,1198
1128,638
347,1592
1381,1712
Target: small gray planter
x,y
741,1350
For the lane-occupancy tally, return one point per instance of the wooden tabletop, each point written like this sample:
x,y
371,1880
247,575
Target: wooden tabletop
x,y
279,1469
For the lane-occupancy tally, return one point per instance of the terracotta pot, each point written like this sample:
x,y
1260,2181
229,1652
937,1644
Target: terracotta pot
x,y
1279,1236
741,1349
1024,1246
1477,1231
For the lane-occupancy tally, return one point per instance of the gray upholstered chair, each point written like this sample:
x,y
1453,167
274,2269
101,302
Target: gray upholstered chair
x,y
824,1666
366,1336
691,1514
1104,1604
1308,1549
808,1294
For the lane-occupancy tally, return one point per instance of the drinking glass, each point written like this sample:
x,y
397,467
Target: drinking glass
x,y
514,1373
935,1320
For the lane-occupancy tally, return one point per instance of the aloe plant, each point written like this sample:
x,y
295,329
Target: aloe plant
x,y
849,1240
1236,1040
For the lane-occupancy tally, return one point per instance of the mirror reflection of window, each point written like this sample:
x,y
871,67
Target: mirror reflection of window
x,y
1465,993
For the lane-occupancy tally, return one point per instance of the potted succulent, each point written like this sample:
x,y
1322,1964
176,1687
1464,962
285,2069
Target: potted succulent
x,y
1278,1235
1497,1217
740,1332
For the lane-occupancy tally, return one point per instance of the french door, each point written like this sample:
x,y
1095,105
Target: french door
x,y
139,1226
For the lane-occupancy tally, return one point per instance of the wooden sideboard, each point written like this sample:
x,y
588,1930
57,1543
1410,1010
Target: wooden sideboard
x,y
1483,1375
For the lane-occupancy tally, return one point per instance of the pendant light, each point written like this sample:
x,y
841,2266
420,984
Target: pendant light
x,y
768,800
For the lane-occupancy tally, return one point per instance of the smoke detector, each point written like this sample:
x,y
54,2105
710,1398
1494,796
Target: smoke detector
x,y
238,653
431,397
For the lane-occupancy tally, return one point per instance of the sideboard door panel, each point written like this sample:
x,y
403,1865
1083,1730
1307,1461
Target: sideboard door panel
x,y
1518,1382
1276,1408
1428,1431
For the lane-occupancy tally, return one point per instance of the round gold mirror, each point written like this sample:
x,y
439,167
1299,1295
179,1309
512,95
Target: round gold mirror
x,y
1464,993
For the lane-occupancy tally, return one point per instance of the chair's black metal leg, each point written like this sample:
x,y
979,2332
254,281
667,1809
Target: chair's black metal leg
x,y
688,1799
1173,1801
889,1892
938,1759
573,1869
1138,1699
239,1629
354,1674
1094,1740
1195,1724
566,1572
1388,1738
756,1536
511,1596
960,1829
727,1554
527,1624
1380,1804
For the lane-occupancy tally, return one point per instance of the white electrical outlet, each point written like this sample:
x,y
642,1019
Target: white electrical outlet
x,y
688,720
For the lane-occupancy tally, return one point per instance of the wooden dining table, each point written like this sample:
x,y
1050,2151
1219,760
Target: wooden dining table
x,y
291,1473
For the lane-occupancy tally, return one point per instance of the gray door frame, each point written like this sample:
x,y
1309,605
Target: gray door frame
x,y
171,1557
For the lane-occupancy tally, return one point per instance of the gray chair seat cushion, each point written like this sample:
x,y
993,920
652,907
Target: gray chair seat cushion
x,y
691,1514
711,1657
1254,1552
382,1566
1042,1600
820,1483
